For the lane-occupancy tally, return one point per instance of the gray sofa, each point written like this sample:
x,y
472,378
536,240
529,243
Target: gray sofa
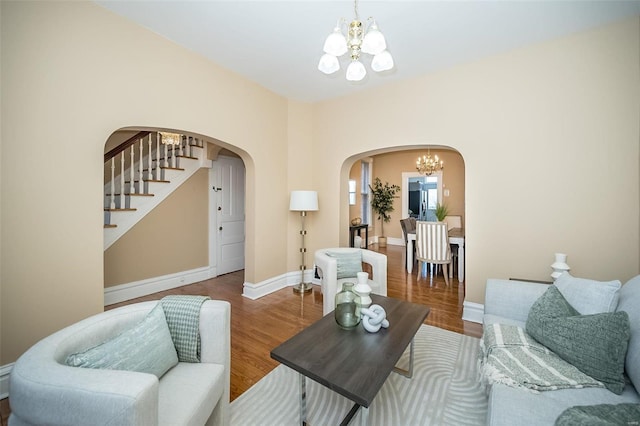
x,y
509,302
44,390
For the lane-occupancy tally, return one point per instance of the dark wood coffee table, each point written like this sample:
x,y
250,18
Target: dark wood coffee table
x,y
353,363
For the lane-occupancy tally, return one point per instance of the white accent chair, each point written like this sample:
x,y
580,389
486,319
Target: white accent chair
x,y
432,246
328,272
44,390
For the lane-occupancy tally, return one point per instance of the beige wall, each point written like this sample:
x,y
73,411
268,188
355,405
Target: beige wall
x,y
72,74
173,237
550,140
549,136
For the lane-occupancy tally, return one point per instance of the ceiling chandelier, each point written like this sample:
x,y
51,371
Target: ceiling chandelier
x,y
427,165
358,40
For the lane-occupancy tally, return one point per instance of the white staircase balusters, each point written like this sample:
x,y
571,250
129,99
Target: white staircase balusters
x,y
150,162
181,152
112,203
123,211
132,170
157,175
121,179
166,153
140,169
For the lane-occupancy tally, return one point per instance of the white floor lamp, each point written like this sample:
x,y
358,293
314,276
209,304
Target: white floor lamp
x,y
303,202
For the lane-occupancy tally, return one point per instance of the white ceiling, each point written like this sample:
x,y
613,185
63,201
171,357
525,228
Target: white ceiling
x,y
278,43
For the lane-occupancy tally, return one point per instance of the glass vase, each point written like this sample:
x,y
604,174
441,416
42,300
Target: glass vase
x,y
347,310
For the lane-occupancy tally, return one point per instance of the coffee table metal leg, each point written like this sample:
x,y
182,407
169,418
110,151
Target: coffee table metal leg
x,y
303,399
407,373
364,416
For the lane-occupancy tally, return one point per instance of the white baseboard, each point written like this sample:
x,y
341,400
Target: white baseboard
x,y
5,370
124,292
395,241
472,312
255,291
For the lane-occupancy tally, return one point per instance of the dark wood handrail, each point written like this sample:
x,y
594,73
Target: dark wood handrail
x,y
124,145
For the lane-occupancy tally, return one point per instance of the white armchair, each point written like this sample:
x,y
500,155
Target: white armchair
x,y
44,390
328,272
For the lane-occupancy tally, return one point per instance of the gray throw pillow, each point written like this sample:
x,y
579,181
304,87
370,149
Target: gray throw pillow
x,y
595,344
146,348
589,296
349,262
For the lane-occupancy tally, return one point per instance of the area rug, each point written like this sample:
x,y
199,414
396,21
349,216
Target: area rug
x,y
444,390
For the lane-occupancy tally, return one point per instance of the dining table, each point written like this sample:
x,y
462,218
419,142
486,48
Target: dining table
x,y
456,236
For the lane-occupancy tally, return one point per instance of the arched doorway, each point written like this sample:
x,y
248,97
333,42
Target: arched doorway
x,y
170,245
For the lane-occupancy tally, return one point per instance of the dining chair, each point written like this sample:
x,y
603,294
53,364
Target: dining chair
x,y
408,226
432,246
453,221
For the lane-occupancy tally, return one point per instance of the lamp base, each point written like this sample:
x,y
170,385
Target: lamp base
x,y
302,288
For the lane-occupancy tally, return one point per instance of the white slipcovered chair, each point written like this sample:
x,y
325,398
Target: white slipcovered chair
x,y
43,389
432,246
326,261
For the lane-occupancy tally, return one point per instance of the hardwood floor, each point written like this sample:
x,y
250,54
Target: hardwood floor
x,y
257,326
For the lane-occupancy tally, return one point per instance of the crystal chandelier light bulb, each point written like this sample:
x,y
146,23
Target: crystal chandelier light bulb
x,y
427,165
382,62
374,42
328,64
335,44
356,71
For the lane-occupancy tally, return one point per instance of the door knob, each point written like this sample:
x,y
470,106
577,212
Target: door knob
x,y
219,208
220,229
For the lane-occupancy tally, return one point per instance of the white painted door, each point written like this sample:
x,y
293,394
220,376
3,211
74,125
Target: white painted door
x,y
229,175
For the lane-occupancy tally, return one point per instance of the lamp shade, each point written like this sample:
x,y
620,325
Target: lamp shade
x,y
374,41
335,44
356,71
303,201
328,64
382,61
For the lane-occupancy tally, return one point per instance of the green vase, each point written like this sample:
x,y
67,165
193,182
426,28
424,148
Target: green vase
x,y
347,310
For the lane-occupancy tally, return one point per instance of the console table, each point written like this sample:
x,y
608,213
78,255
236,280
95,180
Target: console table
x,y
358,228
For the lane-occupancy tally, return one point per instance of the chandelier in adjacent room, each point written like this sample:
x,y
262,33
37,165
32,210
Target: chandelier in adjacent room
x,y
170,138
426,165
358,40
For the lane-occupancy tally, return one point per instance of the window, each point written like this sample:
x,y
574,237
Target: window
x,y
365,191
352,192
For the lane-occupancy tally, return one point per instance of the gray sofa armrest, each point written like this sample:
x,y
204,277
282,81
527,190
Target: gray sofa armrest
x,y
511,299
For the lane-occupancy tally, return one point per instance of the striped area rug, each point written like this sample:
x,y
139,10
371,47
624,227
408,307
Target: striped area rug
x,y
444,390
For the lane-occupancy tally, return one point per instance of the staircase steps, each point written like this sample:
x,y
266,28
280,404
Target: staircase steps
x,y
142,174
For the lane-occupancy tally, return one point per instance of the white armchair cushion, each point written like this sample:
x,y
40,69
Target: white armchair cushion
x,y
348,263
189,392
146,347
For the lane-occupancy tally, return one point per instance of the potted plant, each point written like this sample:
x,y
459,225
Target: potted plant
x,y
382,203
441,211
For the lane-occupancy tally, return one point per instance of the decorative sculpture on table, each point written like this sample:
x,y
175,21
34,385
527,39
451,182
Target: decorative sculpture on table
x,y
363,289
374,318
